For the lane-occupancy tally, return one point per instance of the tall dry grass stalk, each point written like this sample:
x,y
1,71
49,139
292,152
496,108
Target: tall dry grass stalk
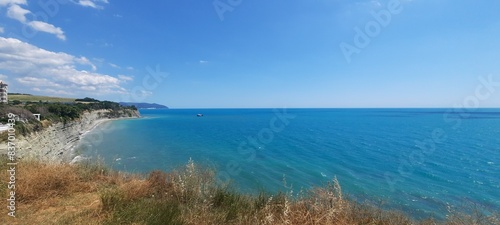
x,y
189,195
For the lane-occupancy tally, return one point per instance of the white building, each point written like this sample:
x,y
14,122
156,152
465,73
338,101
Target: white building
x,y
3,92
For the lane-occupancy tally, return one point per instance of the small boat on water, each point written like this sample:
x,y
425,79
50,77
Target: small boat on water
x,y
199,115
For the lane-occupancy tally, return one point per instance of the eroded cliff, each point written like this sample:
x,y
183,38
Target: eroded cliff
x,y
54,144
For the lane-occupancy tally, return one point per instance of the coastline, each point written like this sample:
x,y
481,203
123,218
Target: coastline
x,y
75,158
99,122
56,143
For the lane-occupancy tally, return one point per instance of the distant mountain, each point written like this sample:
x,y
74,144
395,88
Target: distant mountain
x,y
142,105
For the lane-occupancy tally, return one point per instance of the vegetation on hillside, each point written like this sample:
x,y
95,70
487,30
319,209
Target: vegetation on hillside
x,y
86,99
93,194
15,93
55,112
27,98
142,105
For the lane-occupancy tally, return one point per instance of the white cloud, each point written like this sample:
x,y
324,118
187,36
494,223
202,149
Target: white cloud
x,y
99,61
92,3
143,93
85,78
57,92
125,78
37,82
89,88
12,2
48,28
130,68
87,3
1,30
203,62
114,66
53,72
84,61
17,13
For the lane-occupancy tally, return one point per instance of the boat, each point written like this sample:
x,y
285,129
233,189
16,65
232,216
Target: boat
x,y
199,115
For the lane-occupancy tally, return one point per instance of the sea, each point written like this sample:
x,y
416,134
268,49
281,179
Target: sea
x,y
424,162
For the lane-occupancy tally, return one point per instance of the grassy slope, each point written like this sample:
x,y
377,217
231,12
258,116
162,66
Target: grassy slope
x,y
34,98
91,194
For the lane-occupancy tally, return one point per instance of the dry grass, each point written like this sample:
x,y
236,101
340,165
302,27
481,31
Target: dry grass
x,y
91,194
35,98
44,181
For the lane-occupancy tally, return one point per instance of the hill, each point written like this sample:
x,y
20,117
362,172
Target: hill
x,y
35,98
142,105
59,110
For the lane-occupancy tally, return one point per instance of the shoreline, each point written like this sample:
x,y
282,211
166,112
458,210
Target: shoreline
x,y
98,122
56,143
75,158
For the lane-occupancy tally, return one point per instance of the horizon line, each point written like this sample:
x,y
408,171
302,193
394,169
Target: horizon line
x,y
328,108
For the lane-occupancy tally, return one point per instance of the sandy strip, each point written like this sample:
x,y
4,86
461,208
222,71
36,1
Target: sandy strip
x,y
96,124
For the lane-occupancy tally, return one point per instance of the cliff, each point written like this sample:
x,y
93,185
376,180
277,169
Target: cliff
x,y
143,105
54,143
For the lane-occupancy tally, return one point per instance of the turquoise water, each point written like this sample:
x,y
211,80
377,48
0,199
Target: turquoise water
x,y
416,160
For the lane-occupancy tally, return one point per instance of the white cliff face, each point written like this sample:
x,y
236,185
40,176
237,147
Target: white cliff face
x,y
54,144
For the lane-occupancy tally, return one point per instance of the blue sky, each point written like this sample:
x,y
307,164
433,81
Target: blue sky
x,y
230,53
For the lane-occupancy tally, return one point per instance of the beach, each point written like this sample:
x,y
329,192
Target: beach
x,y
55,143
